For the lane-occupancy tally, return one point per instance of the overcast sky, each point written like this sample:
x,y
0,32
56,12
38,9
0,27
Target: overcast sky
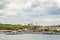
x,y
44,12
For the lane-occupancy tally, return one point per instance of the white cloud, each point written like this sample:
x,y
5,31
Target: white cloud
x,y
29,10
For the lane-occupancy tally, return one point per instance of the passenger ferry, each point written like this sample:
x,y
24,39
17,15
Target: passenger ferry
x,y
52,33
13,33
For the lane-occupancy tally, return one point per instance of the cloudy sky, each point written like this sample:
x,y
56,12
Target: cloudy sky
x,y
44,12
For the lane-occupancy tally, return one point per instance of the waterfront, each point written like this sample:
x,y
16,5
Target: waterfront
x,y
29,37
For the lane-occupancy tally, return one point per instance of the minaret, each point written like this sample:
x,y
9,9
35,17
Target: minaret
x,y
36,23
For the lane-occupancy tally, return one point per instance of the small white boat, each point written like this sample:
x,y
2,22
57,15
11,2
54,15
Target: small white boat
x,y
14,33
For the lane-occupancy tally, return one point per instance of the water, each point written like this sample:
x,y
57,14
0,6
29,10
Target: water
x,y
29,37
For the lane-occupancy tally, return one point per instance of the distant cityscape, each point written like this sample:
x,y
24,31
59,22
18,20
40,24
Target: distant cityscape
x,y
29,28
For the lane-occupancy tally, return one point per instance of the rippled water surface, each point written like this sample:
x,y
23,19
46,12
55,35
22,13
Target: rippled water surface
x,y
29,37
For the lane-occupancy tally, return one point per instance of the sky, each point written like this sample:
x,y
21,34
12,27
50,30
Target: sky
x,y
44,12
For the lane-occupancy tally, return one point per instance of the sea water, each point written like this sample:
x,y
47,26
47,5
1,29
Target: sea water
x,y
29,37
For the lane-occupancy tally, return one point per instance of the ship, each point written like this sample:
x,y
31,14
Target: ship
x,y
52,33
14,33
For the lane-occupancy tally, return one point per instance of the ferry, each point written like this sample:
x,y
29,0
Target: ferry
x,y
52,33
13,33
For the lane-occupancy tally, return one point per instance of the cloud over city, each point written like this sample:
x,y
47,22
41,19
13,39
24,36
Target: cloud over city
x,y
45,12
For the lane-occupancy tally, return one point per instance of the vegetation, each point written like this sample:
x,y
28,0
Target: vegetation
x,y
55,31
16,27
28,27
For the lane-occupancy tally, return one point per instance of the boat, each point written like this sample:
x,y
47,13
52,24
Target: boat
x,y
52,33
13,33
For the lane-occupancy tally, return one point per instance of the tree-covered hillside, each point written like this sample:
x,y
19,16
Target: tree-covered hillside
x,y
16,27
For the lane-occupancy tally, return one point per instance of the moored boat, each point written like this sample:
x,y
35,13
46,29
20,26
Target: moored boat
x,y
52,33
13,33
